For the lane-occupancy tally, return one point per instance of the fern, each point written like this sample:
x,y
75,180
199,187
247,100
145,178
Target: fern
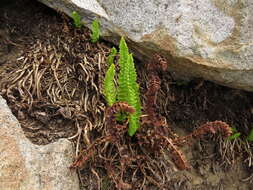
x,y
111,56
133,95
128,89
122,89
95,31
77,19
109,87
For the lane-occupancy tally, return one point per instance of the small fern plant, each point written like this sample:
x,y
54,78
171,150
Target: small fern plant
x,y
95,31
77,19
111,56
127,89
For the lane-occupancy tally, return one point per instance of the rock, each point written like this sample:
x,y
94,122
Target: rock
x,y
24,165
200,38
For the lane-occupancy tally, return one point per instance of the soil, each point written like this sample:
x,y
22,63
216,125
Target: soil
x,y
52,76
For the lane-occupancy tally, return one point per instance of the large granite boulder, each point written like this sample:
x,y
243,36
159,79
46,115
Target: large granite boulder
x,y
200,38
25,166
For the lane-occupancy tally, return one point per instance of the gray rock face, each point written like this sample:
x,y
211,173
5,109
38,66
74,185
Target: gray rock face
x,y
24,165
200,38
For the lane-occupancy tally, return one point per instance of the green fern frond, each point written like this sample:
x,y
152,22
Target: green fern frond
x,y
134,124
95,31
133,97
123,52
122,89
111,56
109,87
134,120
77,19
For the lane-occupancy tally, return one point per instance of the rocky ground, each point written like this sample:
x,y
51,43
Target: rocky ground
x,y
51,76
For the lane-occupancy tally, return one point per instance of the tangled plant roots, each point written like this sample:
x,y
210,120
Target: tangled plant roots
x,y
59,78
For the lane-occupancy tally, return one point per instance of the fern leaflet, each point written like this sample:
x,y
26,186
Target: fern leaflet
x,y
133,97
122,88
111,56
77,19
109,87
95,29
